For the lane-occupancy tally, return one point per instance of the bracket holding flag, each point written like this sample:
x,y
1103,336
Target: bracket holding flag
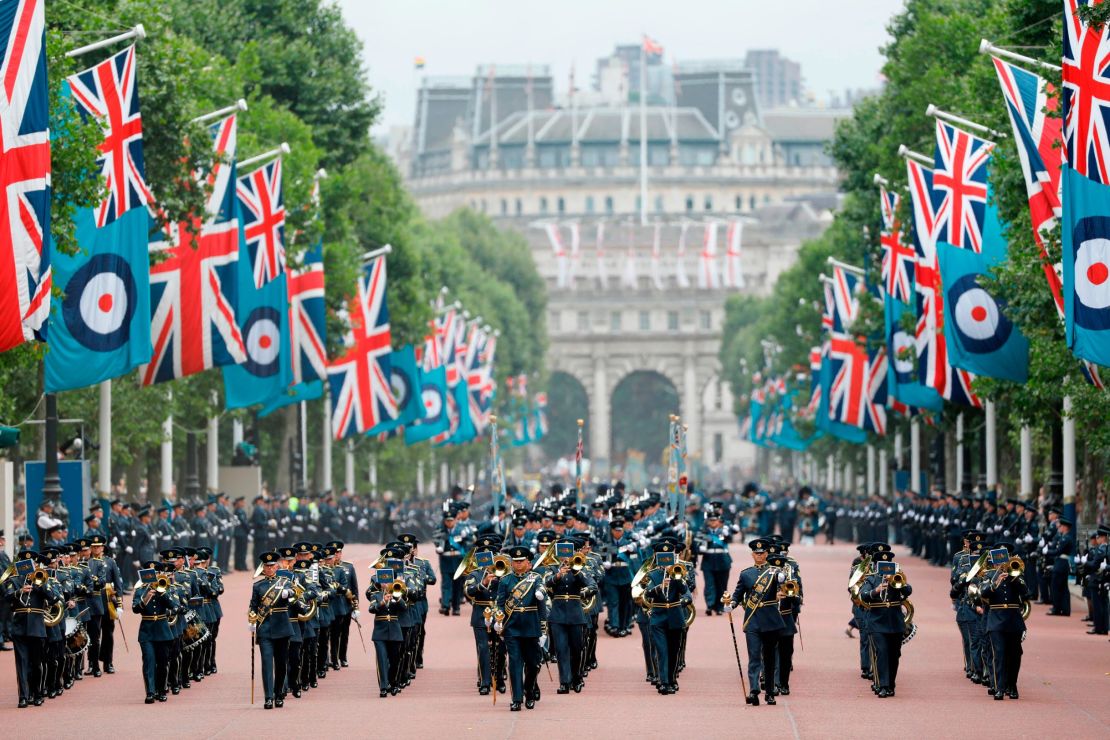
x,y
238,106
138,32
906,153
277,151
986,47
936,112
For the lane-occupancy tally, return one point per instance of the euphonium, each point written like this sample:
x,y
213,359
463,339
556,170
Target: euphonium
x,y
466,566
898,580
501,566
55,614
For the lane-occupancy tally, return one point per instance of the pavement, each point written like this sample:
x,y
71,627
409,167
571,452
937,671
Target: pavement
x,y
1064,683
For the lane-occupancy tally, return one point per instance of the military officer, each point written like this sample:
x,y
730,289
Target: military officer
x,y
790,607
29,597
666,597
882,597
756,590
1004,593
155,603
1058,553
567,586
428,576
110,583
242,532
386,604
268,619
519,597
711,545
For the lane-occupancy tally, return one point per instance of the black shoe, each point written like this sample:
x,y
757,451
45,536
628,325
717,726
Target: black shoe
x,y
175,691
483,691
344,664
455,612
186,685
500,687
149,699
162,698
314,684
771,699
4,647
578,687
393,690
866,675
38,701
529,703
22,703
444,611
383,693
1095,632
753,699
882,693
999,696
784,690
67,685
593,664
269,704
279,702
1088,619
563,689
514,707
990,691
296,693
109,669
1012,693
709,612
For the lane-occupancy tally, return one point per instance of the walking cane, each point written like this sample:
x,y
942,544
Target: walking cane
x,y
123,633
801,640
252,668
736,649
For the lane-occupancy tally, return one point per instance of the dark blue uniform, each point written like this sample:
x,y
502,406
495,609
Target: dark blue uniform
x,y
757,591
517,597
1005,597
270,599
886,627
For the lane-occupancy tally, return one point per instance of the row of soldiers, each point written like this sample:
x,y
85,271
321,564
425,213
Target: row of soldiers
x,y
62,603
300,616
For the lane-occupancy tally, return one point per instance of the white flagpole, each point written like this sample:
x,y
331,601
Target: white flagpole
x,y
986,47
238,106
915,455
992,445
1026,463
104,478
349,467
935,112
1069,452
277,151
303,432
167,454
325,458
377,253
212,448
138,32
907,153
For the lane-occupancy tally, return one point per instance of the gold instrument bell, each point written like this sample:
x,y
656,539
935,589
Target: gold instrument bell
x,y
898,580
578,562
789,589
501,565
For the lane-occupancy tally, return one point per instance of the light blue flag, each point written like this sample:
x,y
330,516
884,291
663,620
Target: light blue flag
x,y
902,379
980,338
433,394
465,431
1085,229
309,391
404,378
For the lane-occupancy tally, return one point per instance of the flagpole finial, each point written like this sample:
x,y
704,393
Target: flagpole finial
x,y
241,104
581,422
985,47
284,147
880,180
492,418
321,174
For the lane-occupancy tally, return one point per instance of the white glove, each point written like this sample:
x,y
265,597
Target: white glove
x,y
286,593
128,550
1104,565
489,622
728,607
354,615
540,594
498,626
135,563
439,549
1006,532
606,565
1028,538
781,576
1045,549
253,628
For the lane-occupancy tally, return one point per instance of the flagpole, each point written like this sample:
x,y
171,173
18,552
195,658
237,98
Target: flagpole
x,y
277,151
325,457
104,478
915,455
935,112
138,32
986,47
238,106
578,460
387,249
907,153
845,266
1026,463
992,445
167,454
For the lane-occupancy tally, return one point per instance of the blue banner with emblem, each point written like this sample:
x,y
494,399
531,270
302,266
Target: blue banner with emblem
x,y
1085,229
404,380
433,395
980,338
902,368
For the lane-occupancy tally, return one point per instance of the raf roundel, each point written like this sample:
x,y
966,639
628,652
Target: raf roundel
x,y
433,403
100,301
903,357
262,334
400,385
980,325
1092,273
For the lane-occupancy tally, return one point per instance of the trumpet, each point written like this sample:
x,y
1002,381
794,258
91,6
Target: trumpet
x,y
501,566
38,578
398,590
678,570
161,584
898,580
578,562
789,589
1015,568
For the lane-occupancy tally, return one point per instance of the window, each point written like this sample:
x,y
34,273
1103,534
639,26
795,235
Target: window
x,y
645,321
561,205
659,204
583,321
709,203
689,203
504,207
705,320
609,204
614,320
751,203
718,447
589,204
719,396
672,320
638,201
543,204
600,155
554,321
519,207
739,203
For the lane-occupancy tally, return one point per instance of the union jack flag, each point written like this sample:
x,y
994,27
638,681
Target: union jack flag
x,y
849,380
307,318
845,293
931,351
193,293
815,355
108,93
874,408
263,209
359,380
960,177
957,388
1086,77
25,276
1036,134
898,257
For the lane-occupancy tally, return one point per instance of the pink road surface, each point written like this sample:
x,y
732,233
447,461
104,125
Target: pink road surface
x,y
1064,684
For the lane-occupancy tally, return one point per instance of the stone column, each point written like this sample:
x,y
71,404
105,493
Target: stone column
x,y
691,404
599,418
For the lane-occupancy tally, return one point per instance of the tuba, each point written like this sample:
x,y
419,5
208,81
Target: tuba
x,y
55,614
640,581
856,579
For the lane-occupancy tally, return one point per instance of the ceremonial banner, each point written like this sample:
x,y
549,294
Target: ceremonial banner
x,y
433,395
404,380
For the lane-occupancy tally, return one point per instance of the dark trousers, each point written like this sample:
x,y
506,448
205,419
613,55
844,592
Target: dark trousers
x,y
763,648
1005,661
54,664
293,672
398,664
1046,585
175,663
387,653
156,659
1032,577
524,665
323,644
978,646
1100,610
865,665
1061,595
241,553
107,640
568,650
340,628
888,652
29,655
786,660
308,662
965,638
648,647
618,603
666,641
275,658
92,627
482,647
223,554
716,585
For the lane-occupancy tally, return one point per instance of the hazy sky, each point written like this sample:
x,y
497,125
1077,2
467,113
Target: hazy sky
x,y
836,41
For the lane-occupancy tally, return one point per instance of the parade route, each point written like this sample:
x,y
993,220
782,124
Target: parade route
x,y
1064,682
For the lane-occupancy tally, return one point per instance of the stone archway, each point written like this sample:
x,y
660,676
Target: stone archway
x,y
567,401
641,403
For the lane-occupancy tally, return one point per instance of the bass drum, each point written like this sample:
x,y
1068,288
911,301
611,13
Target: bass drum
x,y
195,632
77,639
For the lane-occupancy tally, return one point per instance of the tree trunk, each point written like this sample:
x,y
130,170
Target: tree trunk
x,y
284,479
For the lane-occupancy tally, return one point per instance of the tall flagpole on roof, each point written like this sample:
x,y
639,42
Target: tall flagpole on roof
x,y
643,131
